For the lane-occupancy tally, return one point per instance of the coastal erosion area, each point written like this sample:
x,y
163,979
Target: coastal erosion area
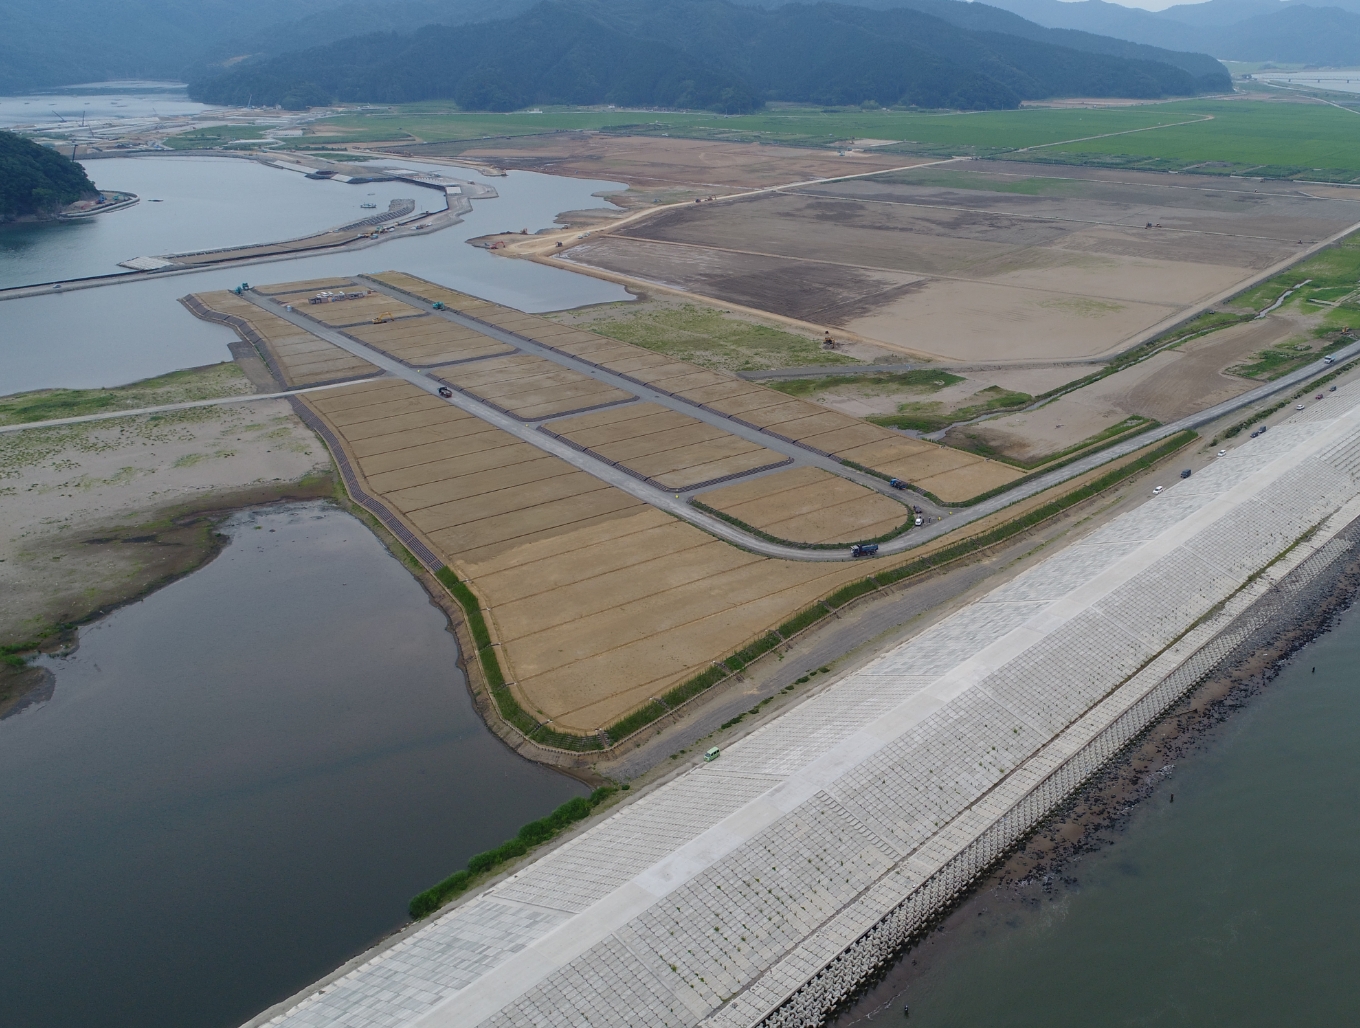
x,y
403,218
102,513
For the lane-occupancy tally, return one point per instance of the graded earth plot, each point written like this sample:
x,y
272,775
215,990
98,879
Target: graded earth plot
x,y
979,260
653,162
530,388
669,448
294,355
427,341
808,505
599,601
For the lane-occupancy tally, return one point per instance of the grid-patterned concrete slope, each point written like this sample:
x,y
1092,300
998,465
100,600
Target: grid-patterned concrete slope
x,y
715,898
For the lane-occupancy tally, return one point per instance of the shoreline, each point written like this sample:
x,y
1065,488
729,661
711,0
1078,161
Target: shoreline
x,y
189,532
1044,867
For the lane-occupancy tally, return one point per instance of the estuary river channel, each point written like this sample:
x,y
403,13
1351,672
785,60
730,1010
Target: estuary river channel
x,y
85,338
240,781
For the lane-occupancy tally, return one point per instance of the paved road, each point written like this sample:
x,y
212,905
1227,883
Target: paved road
x,y
799,454
681,509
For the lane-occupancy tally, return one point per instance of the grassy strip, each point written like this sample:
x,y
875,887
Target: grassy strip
x,y
801,620
535,833
737,523
1259,416
505,701
927,421
744,656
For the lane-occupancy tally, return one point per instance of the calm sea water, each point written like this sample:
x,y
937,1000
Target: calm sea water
x,y
1233,906
99,103
121,333
240,782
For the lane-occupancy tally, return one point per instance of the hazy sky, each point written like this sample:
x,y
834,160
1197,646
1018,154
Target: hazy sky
x,y
1153,5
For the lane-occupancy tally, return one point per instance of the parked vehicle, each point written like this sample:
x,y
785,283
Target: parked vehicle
x,y
711,754
920,521
1157,491
446,392
918,510
1222,453
864,549
897,483
1185,473
1298,406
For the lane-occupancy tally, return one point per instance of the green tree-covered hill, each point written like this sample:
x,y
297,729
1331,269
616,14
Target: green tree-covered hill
x,y
708,54
35,180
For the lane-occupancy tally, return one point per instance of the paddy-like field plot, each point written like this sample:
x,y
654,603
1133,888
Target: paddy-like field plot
x,y
808,505
670,448
977,261
294,354
531,388
598,601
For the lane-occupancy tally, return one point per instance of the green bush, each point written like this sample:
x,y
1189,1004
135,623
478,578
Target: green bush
x,y
533,834
801,620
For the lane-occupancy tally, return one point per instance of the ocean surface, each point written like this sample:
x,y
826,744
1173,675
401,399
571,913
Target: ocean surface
x,y
132,330
240,782
1232,907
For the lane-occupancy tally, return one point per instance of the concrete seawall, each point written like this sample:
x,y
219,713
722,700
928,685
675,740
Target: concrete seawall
x,y
762,888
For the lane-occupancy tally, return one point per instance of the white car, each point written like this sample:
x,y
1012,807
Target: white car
x,y
1298,406
1222,453
920,521
1157,491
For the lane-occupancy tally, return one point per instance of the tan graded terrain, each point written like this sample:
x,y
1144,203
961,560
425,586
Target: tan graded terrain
x,y
675,451
808,505
646,162
1166,387
598,601
294,355
427,341
976,261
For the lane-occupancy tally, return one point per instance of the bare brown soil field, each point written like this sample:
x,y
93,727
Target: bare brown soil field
x,y
530,387
300,357
1165,387
598,601
643,161
674,450
808,505
983,261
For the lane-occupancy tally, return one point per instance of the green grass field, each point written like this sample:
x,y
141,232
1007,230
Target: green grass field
x,y
206,383
1265,138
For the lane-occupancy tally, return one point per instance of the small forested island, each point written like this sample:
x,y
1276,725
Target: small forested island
x,y
37,183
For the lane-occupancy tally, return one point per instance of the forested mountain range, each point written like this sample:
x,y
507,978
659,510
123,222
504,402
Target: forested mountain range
x,y
722,56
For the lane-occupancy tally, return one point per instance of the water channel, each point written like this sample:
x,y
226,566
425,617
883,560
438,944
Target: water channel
x,y
133,330
239,782
1234,905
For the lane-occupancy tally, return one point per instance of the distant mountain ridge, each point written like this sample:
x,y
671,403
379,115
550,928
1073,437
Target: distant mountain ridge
x,y
1325,32
722,56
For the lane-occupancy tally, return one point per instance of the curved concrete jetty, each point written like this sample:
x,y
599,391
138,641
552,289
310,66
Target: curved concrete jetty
x,y
758,889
